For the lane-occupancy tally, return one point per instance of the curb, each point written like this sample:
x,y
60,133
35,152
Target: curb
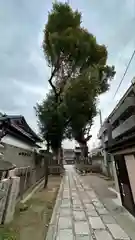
x,y
51,233
36,187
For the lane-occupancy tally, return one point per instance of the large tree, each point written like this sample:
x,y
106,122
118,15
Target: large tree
x,y
69,48
52,121
58,42
79,74
80,97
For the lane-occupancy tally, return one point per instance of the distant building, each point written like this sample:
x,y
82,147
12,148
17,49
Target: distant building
x,y
77,150
117,135
20,141
68,156
122,118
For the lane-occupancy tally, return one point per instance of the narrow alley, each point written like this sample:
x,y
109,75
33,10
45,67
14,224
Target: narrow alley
x,y
79,214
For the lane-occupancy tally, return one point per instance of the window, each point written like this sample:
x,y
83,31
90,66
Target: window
x,y
27,154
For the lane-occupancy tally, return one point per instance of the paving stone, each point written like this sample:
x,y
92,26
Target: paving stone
x,y
74,195
51,232
81,190
76,201
95,199
81,194
66,192
65,234
102,211
66,196
86,200
83,237
98,204
87,188
92,213
65,222
77,205
81,228
79,215
102,235
117,232
108,219
54,218
89,206
65,201
77,208
65,205
65,212
96,223
92,194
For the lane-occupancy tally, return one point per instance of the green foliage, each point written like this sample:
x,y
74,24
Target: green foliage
x,y
80,105
79,75
51,121
57,38
69,48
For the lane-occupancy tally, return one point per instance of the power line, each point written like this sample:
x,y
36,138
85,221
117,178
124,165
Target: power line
x,y
124,73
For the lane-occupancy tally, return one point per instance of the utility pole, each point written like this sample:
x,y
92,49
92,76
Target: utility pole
x,y
100,115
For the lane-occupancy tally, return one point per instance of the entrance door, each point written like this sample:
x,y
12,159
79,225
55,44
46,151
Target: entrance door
x,y
124,184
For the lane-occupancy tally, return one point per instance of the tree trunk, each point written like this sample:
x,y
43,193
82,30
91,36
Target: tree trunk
x,y
55,156
46,160
46,166
84,152
61,157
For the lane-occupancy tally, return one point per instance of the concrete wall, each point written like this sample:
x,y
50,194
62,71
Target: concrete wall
x,y
18,152
68,154
115,178
9,189
128,102
18,156
130,163
104,163
97,161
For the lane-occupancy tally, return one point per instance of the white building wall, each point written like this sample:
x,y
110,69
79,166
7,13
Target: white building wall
x,y
16,142
130,163
17,152
115,178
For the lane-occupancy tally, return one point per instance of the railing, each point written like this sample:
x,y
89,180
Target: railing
x,y
123,128
130,101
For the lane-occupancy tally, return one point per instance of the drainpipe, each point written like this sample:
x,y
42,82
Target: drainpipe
x,y
109,132
100,115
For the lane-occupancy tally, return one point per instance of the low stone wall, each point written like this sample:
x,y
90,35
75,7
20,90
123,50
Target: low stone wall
x,y
9,189
4,189
95,168
56,169
28,177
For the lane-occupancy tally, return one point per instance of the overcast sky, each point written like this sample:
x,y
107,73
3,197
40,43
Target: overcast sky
x,y
23,70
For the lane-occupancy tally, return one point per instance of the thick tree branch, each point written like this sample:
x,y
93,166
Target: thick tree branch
x,y
50,80
68,121
88,138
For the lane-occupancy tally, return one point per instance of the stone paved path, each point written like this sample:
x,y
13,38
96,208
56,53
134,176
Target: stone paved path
x,y
79,215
